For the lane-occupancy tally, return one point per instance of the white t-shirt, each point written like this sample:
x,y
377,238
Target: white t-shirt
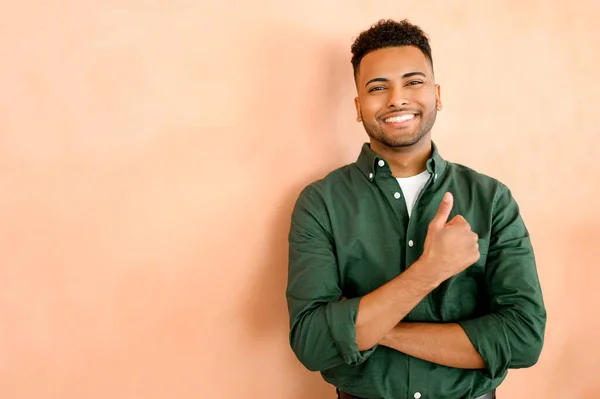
x,y
411,187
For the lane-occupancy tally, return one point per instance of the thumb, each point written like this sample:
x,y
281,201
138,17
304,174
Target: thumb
x,y
441,217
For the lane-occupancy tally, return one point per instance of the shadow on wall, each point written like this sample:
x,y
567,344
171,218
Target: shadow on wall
x,y
300,72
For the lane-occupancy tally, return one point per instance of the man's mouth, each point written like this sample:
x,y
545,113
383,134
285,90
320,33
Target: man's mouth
x,y
399,118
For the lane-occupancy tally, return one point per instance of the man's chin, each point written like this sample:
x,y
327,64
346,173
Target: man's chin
x,y
396,138
402,142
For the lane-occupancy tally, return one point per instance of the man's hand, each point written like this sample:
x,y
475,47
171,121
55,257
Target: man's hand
x,y
450,247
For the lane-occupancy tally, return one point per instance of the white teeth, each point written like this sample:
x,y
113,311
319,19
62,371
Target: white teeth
x,y
401,118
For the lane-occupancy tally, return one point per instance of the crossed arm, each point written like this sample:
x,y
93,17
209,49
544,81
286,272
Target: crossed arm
x,y
446,344
327,332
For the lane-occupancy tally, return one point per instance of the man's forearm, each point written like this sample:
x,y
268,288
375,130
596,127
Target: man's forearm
x,y
382,309
444,344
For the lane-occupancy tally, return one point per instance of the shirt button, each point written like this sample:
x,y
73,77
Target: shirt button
x,y
417,395
381,162
370,175
435,177
411,244
396,195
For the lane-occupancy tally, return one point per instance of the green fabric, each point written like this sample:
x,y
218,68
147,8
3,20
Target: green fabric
x,y
349,235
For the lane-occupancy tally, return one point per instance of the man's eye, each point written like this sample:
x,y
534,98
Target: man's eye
x,y
414,82
376,88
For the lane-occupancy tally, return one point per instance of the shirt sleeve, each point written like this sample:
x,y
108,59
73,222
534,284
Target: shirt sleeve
x,y
512,334
322,328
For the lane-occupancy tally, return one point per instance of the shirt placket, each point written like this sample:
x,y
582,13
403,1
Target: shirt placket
x,y
416,383
392,191
409,241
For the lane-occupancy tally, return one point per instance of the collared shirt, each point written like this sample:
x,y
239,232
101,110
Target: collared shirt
x,y
351,233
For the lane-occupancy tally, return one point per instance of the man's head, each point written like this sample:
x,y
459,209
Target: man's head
x,y
397,98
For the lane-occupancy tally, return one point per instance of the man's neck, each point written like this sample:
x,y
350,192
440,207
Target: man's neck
x,y
405,161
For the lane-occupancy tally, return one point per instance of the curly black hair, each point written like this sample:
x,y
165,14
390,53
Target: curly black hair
x,y
389,33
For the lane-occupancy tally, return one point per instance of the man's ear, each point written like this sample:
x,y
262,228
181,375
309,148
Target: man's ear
x,y
438,99
358,113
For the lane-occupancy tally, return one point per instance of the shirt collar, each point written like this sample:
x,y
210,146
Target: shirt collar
x,y
368,162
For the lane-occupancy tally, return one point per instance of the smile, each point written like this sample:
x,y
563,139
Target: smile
x,y
399,119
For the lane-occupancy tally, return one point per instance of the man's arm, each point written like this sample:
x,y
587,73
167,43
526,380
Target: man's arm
x,y
450,247
440,343
511,336
326,332
322,328
382,309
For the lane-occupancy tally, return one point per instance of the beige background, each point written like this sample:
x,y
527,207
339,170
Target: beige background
x,y
151,152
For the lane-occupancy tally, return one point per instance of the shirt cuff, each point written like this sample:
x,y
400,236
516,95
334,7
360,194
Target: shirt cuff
x,y
341,319
489,339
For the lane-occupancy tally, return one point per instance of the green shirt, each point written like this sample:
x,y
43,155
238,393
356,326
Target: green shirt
x,y
351,233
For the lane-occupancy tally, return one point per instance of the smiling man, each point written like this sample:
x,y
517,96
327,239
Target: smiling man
x,y
409,276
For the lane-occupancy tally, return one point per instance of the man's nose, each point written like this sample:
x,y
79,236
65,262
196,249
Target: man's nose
x,y
397,98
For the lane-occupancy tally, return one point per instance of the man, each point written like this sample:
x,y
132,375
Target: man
x,y
409,276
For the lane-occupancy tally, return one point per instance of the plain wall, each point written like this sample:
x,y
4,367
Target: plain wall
x,y
151,153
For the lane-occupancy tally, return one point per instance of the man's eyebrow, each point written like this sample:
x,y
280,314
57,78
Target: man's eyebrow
x,y
406,75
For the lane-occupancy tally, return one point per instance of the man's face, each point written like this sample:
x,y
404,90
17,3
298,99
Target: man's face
x,y
397,98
